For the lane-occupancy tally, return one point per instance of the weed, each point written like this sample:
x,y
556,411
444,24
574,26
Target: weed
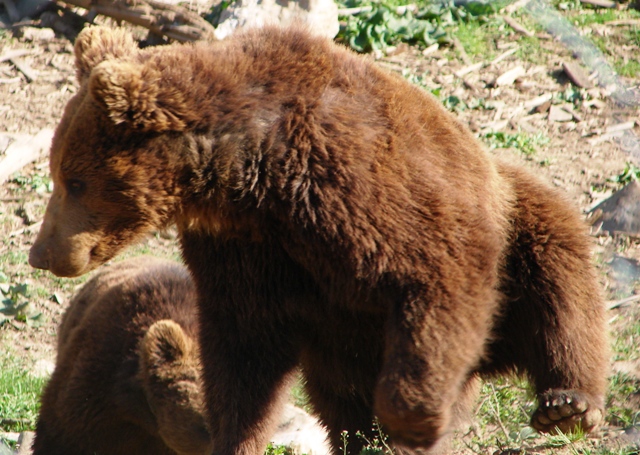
x,y
38,183
275,449
630,173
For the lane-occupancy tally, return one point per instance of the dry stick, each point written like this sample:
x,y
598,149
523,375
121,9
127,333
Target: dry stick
x,y
172,21
516,26
14,54
600,3
25,69
463,54
624,22
623,302
504,55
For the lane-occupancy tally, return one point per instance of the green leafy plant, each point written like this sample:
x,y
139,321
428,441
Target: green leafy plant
x,y
16,305
381,24
40,183
630,173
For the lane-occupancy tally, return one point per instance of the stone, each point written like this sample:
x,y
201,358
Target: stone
x,y
302,432
320,15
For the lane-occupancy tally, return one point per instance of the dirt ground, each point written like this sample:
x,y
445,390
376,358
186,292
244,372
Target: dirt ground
x,y
573,152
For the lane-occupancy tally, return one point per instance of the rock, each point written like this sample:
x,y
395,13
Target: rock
x,y
320,15
559,114
35,34
620,212
43,368
302,432
632,435
25,441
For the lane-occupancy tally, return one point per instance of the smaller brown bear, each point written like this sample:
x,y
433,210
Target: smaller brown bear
x,y
127,368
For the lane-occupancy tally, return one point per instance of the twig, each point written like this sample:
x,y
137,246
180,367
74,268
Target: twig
x,y
621,127
25,229
14,54
624,22
463,54
25,69
21,152
623,302
600,3
468,69
504,55
355,10
516,26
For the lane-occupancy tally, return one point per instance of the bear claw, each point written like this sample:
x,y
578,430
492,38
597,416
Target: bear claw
x,y
565,411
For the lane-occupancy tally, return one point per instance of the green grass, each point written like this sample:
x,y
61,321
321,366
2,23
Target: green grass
x,y
477,38
19,395
527,144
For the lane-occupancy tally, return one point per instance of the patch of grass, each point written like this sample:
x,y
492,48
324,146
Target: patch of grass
x,y
525,143
477,38
601,16
630,68
299,395
531,51
619,408
625,344
19,395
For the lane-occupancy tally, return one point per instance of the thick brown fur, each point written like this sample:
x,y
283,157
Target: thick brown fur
x,y
127,376
334,217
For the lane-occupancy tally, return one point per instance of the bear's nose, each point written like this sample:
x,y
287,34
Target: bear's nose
x,y
39,257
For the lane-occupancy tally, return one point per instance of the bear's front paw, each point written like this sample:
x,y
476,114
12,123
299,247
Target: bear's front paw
x,y
411,427
566,411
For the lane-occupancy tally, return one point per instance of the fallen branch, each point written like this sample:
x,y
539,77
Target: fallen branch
x,y
25,69
23,151
516,26
600,3
172,21
623,302
624,22
10,55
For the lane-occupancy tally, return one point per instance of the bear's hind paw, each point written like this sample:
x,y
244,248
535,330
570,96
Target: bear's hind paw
x,y
565,411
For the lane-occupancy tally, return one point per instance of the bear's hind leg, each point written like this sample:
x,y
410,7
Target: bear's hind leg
x,y
553,328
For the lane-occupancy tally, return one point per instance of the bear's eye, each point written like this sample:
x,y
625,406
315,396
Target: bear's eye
x,y
75,187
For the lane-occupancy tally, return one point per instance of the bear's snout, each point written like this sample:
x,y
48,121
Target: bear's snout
x,y
39,256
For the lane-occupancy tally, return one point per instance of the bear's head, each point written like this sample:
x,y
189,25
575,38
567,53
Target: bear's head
x,y
170,378
113,175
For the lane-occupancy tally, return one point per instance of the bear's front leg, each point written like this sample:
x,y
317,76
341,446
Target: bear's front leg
x,y
246,383
249,345
433,345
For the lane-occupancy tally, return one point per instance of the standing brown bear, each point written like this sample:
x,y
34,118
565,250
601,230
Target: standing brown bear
x,y
127,373
317,212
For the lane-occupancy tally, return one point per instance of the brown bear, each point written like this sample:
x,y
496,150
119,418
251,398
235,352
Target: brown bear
x,y
334,217
127,373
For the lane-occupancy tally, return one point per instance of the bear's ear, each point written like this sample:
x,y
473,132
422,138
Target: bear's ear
x,y
97,44
165,344
137,95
